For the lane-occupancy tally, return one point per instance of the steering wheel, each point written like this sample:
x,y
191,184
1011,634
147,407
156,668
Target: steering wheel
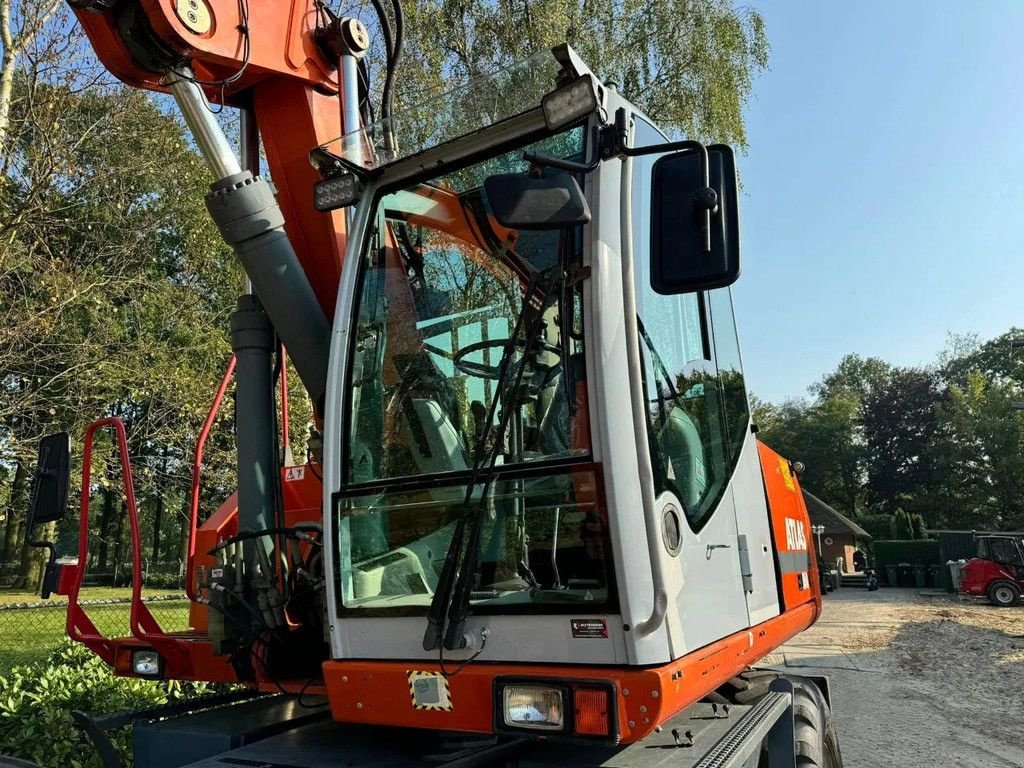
x,y
492,372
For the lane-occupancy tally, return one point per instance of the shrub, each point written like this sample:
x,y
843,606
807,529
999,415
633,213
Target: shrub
x,y
36,702
879,526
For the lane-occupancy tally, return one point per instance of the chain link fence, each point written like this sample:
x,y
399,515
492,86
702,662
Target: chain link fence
x,y
31,629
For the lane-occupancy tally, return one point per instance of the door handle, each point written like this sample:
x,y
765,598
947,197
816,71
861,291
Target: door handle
x,y
712,547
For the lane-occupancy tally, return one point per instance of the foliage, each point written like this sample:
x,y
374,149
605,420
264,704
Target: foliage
x,y
36,702
932,447
913,551
689,64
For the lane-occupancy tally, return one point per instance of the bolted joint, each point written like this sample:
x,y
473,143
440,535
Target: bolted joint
x,y
343,37
251,329
243,206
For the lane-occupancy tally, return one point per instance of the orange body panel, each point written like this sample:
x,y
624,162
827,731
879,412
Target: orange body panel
x,y
377,692
791,531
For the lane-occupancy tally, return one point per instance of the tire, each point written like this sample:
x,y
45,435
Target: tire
x,y
1003,593
816,743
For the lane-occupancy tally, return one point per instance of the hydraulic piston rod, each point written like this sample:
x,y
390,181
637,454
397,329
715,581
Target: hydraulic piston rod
x,y
245,209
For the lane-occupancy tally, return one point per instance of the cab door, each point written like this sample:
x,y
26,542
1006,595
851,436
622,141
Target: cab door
x,y
693,414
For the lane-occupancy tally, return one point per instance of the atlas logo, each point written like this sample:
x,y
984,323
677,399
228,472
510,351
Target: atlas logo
x,y
795,538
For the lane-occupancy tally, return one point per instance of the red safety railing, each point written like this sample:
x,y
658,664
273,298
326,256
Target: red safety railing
x,y
193,523
141,622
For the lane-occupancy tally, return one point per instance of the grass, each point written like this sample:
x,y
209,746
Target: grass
x,y
31,634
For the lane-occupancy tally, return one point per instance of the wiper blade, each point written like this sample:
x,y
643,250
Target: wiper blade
x,y
453,580
458,610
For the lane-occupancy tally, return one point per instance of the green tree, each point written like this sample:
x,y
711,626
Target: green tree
x,y
689,64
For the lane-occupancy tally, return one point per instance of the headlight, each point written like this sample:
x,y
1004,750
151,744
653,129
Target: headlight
x,y
146,663
534,706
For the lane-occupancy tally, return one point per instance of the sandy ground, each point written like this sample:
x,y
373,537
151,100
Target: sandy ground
x,y
919,679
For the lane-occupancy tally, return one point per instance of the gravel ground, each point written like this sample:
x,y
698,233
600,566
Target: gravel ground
x,y
919,679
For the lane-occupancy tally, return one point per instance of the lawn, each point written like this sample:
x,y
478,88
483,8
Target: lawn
x,y
29,634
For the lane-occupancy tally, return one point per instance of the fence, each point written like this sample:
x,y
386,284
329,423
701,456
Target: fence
x,y
31,631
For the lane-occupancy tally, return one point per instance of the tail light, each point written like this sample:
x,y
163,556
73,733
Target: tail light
x,y
591,712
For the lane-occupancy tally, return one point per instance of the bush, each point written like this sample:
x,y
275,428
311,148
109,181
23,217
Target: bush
x,y
36,702
879,526
914,551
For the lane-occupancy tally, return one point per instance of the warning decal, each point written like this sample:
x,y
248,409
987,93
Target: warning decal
x,y
787,476
429,691
294,473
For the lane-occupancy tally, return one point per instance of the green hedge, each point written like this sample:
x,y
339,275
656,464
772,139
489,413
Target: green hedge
x,y
36,702
896,551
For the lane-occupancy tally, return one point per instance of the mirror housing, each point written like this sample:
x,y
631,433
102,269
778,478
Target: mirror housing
x,y
50,484
680,262
553,200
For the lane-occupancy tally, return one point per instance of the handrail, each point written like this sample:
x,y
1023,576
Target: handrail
x,y
141,621
204,433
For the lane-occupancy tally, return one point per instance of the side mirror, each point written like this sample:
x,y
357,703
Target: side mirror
x,y
680,260
522,201
50,485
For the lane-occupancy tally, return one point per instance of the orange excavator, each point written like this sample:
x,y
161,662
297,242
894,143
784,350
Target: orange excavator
x,y
535,525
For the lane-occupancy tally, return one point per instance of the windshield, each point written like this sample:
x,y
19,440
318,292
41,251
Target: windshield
x,y
441,290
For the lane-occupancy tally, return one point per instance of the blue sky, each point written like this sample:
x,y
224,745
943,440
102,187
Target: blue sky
x,y
883,187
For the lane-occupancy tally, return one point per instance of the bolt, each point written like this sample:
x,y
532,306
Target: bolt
x,y
654,694
344,678
359,705
632,724
643,708
625,691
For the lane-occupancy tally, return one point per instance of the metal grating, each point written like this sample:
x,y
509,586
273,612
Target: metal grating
x,y
742,739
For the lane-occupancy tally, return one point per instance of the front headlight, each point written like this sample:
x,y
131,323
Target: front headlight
x,y
146,663
534,706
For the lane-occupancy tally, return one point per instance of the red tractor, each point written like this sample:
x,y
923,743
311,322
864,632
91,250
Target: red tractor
x,y
997,571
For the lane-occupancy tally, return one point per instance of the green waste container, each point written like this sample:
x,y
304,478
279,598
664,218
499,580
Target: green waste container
x,y
920,576
891,575
940,577
905,574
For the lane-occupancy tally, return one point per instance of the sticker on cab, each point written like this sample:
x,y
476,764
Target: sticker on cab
x,y
429,692
292,474
787,476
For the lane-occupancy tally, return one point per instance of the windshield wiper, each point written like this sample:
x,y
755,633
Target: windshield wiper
x,y
454,587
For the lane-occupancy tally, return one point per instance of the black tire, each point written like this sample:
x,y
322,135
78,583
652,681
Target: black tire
x,y
1003,593
816,744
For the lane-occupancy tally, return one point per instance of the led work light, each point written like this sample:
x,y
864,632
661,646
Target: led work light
x,y
571,102
335,192
146,663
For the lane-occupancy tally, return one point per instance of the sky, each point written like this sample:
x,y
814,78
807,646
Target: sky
x,y
883,200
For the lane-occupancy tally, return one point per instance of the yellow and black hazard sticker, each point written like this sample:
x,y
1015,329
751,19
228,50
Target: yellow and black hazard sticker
x,y
429,691
787,476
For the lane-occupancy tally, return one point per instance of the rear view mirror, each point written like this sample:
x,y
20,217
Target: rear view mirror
x,y
522,201
680,261
50,485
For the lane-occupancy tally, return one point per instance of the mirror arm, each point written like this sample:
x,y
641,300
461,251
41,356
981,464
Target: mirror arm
x,y
570,166
706,198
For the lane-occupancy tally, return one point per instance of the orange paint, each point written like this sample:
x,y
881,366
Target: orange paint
x,y
377,692
786,502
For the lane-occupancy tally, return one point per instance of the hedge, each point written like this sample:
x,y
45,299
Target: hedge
x,y
914,551
36,702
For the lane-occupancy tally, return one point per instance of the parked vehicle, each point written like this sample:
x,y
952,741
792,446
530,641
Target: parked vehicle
x,y
998,570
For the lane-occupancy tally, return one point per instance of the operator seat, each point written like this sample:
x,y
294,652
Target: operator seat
x,y
682,449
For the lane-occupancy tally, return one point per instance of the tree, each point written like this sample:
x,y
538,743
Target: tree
x,y
689,64
899,422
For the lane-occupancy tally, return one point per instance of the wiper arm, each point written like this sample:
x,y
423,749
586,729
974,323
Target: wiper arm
x,y
458,610
450,571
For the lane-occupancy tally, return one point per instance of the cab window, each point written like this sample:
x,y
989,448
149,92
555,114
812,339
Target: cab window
x,y
693,381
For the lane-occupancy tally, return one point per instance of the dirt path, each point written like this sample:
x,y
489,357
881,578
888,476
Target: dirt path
x,y
919,681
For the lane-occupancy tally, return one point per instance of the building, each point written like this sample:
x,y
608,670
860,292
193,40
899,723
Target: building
x,y
841,537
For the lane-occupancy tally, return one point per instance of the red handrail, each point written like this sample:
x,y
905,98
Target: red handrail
x,y
284,401
190,589
142,623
